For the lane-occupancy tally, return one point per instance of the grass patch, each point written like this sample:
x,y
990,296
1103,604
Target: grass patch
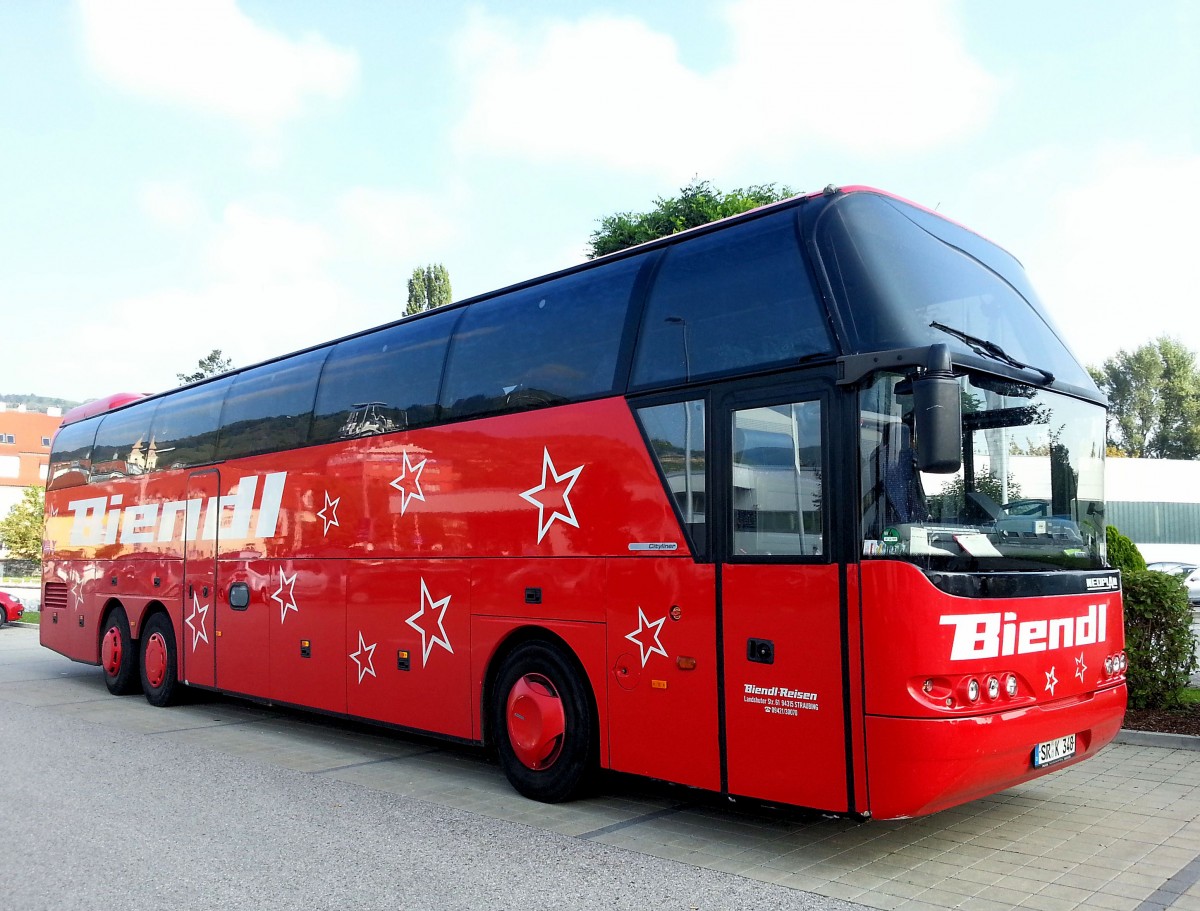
x,y
32,616
1190,696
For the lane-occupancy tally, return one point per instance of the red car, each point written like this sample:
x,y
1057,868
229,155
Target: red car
x,y
10,608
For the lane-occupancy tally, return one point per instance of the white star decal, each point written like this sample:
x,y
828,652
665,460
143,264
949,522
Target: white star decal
x,y
198,631
366,664
77,592
407,497
428,637
1080,667
330,507
1051,681
568,516
644,626
289,583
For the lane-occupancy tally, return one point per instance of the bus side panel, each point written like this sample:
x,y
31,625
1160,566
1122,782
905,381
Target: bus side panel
x,y
60,627
585,641
662,660
309,650
406,658
539,590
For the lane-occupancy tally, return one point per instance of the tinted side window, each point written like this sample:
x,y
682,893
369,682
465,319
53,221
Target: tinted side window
x,y
384,381
184,432
270,408
676,435
123,442
551,343
777,481
71,455
735,300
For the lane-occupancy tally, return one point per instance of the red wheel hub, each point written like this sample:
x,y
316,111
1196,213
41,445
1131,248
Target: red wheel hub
x,y
111,651
155,660
536,722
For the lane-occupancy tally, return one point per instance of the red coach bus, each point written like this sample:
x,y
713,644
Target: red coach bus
x,y
804,506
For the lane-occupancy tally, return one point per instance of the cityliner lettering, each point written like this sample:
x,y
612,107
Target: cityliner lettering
x,y
103,520
996,634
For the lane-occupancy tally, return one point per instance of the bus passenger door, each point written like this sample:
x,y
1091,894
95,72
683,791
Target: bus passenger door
x,y
662,615
784,695
240,632
197,636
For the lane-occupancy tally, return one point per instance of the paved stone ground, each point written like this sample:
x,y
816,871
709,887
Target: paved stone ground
x,y
1119,832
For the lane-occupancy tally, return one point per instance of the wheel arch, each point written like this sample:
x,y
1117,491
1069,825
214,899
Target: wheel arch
x,y
112,604
509,644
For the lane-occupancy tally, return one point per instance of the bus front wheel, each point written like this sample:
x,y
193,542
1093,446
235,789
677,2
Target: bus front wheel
x,y
160,678
542,719
118,656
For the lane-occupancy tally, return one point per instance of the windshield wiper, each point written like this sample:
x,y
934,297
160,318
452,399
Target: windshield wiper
x,y
985,348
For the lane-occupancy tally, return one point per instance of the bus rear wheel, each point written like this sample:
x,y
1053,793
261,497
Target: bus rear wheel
x,y
118,655
159,664
543,724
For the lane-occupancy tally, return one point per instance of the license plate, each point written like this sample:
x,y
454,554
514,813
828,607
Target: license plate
x,y
1053,751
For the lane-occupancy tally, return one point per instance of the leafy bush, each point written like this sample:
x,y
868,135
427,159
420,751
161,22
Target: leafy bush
x,y
1158,637
1123,553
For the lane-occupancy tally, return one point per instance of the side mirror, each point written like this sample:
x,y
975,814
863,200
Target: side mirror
x,y
937,415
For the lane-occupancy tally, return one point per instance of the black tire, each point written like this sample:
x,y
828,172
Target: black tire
x,y
539,764
159,662
119,655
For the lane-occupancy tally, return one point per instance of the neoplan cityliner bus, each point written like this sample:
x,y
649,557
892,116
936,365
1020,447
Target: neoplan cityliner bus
x,y
804,506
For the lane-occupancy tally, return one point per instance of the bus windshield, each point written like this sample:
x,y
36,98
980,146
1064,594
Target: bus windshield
x,y
896,270
1029,495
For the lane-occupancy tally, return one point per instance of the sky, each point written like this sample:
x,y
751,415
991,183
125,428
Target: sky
x,y
259,175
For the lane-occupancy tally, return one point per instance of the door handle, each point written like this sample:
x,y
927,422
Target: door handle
x,y
760,651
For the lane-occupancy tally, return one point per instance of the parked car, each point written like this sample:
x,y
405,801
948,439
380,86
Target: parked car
x,y
1174,567
1192,581
1188,572
10,608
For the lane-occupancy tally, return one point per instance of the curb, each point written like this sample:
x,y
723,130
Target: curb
x,y
1153,739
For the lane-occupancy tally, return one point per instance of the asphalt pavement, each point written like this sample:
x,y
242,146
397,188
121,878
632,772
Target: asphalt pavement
x,y
221,803
95,816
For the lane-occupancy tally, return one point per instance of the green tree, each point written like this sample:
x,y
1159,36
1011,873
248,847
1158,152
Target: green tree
x,y
1158,638
1154,400
697,204
429,287
1123,554
21,529
208,366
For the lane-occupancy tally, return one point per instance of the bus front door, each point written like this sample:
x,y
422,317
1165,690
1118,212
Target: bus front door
x,y
784,693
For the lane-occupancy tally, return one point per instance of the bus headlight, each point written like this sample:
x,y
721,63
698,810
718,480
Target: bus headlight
x,y
973,690
993,688
1010,685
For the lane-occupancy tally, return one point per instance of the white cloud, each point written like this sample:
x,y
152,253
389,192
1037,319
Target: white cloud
x,y
1119,262
208,54
171,204
863,75
398,225
269,289
259,248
